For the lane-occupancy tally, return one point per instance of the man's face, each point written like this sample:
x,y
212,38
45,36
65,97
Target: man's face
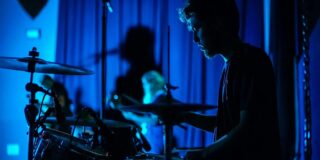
x,y
208,38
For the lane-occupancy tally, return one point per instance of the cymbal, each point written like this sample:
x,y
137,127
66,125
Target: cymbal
x,y
90,122
167,108
41,66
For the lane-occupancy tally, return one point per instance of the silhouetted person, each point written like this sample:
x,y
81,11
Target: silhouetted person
x,y
247,126
153,88
154,93
138,51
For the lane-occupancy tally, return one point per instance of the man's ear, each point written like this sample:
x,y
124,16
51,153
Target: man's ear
x,y
221,28
216,24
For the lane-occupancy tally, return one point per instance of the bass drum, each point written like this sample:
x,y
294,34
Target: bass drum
x,y
54,144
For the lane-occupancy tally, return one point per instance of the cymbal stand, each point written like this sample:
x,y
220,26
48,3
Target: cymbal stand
x,y
167,136
168,125
30,110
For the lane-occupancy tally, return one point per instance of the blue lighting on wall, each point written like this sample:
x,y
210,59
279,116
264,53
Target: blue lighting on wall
x,y
266,14
19,33
33,33
13,150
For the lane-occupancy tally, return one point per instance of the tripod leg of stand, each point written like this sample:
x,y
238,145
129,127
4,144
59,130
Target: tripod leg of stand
x,y
168,132
30,144
31,113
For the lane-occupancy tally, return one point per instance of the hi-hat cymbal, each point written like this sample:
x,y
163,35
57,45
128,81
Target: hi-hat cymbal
x,y
167,108
90,122
41,66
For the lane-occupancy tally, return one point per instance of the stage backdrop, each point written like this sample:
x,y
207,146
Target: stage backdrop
x,y
15,42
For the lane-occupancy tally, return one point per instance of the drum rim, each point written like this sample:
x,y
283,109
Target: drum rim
x,y
61,134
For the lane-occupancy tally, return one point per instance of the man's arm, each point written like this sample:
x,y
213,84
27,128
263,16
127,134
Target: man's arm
x,y
224,144
139,119
204,122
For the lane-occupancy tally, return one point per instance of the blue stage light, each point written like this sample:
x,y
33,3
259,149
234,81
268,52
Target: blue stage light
x,y
33,33
13,149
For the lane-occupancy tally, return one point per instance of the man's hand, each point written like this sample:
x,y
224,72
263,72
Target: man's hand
x,y
204,122
195,155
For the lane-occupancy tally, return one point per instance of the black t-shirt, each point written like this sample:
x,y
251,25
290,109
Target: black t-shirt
x,y
248,83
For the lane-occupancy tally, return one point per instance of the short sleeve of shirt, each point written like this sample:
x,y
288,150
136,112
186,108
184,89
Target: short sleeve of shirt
x,y
251,79
244,87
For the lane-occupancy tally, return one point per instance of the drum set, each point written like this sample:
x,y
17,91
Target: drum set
x,y
52,144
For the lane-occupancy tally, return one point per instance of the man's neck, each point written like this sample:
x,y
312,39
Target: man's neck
x,y
232,49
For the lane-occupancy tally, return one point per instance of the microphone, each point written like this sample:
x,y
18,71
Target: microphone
x,y
107,3
109,7
47,113
31,87
45,116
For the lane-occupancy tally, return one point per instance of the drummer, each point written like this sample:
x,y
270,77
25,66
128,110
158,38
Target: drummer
x,y
247,125
154,92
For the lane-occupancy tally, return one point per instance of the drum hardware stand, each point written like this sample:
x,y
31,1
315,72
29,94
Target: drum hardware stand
x,y
28,64
105,5
30,110
168,124
167,138
166,117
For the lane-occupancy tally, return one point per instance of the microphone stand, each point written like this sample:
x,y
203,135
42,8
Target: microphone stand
x,y
105,5
168,124
166,117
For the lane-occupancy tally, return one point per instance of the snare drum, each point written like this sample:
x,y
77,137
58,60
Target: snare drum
x,y
54,144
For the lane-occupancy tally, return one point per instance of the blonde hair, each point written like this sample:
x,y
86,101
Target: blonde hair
x,y
155,83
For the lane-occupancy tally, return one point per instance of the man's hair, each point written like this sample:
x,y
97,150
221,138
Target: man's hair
x,y
225,11
155,79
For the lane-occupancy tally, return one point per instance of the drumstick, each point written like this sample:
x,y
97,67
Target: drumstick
x,y
188,149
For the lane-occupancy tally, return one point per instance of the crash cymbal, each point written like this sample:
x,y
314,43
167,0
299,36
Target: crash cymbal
x,y
89,122
41,66
167,108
